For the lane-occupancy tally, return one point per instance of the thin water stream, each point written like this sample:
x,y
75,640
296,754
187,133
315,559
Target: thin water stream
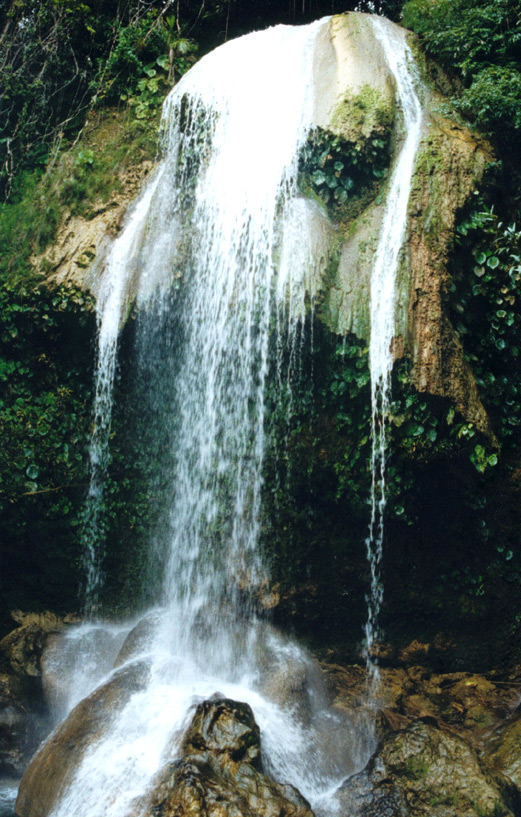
x,y
383,308
224,217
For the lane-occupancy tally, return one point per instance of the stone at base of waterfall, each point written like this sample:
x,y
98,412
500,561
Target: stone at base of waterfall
x,y
57,760
220,773
424,771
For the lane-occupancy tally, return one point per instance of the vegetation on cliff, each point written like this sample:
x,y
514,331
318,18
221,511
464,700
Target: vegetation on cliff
x,y
445,479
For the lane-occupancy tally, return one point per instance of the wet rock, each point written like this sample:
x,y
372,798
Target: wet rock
x,y
503,750
424,771
21,650
139,638
226,728
23,715
74,662
58,758
219,773
467,703
15,727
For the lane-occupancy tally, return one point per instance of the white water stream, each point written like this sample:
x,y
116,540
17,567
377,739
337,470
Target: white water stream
x,y
223,212
383,308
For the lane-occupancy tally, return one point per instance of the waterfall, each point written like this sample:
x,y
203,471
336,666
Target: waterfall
x,y
222,245
223,218
382,309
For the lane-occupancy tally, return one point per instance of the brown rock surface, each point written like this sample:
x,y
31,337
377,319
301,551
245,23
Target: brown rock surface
x,y
424,771
23,717
220,773
503,749
57,759
470,705
21,650
449,166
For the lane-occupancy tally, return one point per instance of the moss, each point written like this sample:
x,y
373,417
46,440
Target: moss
x,y
77,181
362,115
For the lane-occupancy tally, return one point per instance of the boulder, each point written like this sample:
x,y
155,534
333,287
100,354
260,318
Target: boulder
x,y
58,758
23,715
503,750
74,662
139,638
21,650
219,773
424,771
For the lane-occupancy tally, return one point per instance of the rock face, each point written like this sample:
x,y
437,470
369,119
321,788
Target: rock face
x,y
355,102
424,770
449,165
220,773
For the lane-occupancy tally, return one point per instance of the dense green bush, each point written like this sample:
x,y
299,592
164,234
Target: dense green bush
x,y
485,304
44,425
481,45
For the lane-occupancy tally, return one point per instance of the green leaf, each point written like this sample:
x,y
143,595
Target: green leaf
x,y
163,62
32,471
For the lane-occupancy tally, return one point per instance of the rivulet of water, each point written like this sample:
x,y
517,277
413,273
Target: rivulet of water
x,y
383,306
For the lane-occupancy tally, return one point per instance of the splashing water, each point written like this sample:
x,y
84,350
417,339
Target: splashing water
x,y
383,279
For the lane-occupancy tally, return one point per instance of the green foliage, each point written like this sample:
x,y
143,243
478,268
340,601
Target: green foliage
x,y
58,60
147,58
76,183
336,169
485,302
493,102
481,44
44,424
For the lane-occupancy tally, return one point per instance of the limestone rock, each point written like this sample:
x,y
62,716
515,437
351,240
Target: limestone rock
x,y
424,771
73,663
80,239
226,728
449,166
359,103
139,638
219,773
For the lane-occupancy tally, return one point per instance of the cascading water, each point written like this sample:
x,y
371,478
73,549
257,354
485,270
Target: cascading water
x,y
383,305
110,303
224,215
226,198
